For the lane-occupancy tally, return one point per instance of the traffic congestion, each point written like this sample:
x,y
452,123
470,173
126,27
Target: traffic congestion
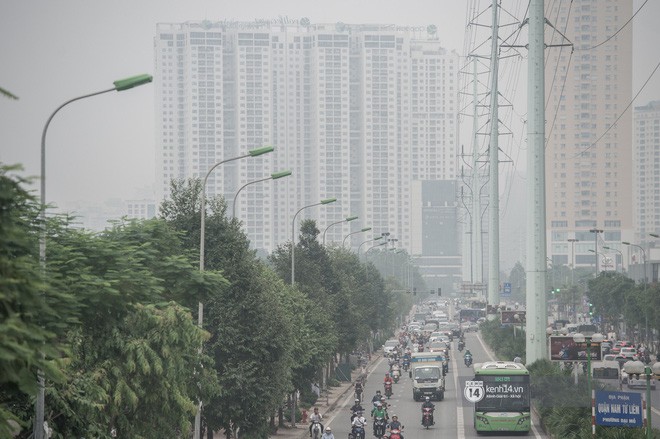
x,y
417,388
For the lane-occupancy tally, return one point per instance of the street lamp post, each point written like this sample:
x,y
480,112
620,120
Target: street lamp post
x,y
646,334
274,176
293,235
638,368
119,85
202,215
366,229
368,240
596,232
573,241
595,338
346,220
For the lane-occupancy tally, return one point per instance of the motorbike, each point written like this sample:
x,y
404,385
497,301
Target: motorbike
x,y
356,433
316,430
388,390
468,361
427,417
406,364
395,433
379,427
395,375
461,345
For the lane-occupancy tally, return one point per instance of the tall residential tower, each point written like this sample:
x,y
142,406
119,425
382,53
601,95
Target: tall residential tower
x,y
588,149
356,112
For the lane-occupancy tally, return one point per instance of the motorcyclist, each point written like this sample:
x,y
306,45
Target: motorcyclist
x,y
359,388
378,412
461,345
357,408
383,402
396,371
328,434
376,397
394,423
359,422
388,379
428,405
316,416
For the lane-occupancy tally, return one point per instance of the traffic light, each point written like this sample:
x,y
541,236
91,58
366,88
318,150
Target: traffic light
x,y
439,291
591,309
414,291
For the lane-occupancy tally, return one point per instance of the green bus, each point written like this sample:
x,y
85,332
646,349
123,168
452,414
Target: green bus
x,y
505,405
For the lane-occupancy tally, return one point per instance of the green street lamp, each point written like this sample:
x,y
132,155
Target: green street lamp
x,y
638,368
374,246
200,306
274,176
119,85
366,229
368,240
595,338
293,235
346,220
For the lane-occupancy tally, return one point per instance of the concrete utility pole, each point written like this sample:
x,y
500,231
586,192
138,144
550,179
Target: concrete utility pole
x,y
493,155
536,346
477,246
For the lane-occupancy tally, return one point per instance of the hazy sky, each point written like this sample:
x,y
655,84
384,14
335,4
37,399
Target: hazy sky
x,y
103,147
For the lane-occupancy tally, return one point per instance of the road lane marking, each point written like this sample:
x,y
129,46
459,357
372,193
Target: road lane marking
x,y
460,425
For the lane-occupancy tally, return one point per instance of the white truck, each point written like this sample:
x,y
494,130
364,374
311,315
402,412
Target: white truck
x,y
428,376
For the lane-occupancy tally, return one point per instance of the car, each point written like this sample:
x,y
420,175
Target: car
x,y
437,346
389,347
473,327
629,353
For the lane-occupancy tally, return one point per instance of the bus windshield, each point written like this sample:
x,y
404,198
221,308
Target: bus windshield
x,y
504,393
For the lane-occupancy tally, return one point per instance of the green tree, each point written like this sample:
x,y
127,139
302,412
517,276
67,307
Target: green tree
x,y
134,350
27,344
250,321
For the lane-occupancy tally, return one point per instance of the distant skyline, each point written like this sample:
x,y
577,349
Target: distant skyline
x,y
104,147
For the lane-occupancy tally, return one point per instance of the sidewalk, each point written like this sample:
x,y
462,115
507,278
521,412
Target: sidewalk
x,y
327,406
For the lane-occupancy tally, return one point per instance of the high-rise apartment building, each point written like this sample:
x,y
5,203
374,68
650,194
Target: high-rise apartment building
x,y
588,150
356,112
646,186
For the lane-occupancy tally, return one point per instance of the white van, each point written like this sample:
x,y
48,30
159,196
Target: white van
x,y
607,373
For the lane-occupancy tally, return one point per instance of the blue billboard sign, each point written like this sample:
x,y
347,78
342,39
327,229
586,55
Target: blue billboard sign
x,y
506,291
619,409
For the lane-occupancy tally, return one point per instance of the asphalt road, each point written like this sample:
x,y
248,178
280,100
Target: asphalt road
x,y
453,415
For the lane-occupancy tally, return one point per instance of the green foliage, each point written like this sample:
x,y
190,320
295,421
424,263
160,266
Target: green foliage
x,y
502,340
27,343
252,321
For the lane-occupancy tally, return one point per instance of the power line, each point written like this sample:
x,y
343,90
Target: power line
x,y
622,113
620,29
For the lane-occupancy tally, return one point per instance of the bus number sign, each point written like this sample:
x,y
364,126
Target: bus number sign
x,y
474,391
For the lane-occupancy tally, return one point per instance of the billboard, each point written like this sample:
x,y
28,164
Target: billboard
x,y
508,317
564,348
